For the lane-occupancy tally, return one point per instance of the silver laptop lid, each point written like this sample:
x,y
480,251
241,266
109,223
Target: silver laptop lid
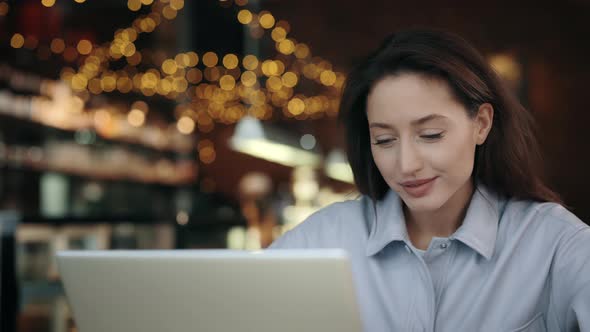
x,y
210,290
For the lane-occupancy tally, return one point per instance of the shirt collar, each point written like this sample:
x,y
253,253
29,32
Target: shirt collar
x,y
480,226
478,231
387,224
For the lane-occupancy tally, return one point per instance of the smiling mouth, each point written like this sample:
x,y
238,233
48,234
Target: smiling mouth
x,y
416,183
419,188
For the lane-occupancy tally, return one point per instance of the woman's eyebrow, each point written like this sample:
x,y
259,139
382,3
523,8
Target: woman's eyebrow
x,y
414,123
427,118
380,125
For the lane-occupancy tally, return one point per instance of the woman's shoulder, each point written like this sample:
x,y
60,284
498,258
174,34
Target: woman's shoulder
x,y
547,217
329,224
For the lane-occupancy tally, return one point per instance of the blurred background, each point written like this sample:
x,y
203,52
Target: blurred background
x,y
163,124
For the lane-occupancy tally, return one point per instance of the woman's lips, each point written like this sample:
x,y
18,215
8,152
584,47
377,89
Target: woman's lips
x,y
418,188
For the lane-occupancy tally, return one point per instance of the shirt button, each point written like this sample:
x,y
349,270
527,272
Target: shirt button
x,y
443,246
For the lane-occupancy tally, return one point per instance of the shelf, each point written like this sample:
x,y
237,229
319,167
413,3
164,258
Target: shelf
x,y
96,176
102,123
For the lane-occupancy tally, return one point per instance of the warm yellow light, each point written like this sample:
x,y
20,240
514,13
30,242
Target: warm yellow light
x,y
290,79
4,8
149,80
506,66
177,4
148,92
169,66
80,1
250,62
147,2
286,46
230,61
129,50
136,118
274,83
328,77
129,34
244,16
278,34
311,71
147,24
48,3
340,79
204,143
193,59
301,51
194,76
248,78
185,125
180,84
57,45
156,17
134,5
257,98
17,40
270,68
296,106
266,20
79,82
210,59
108,83
124,84
94,86
140,105
165,86
207,154
169,12
84,47
135,59
182,60
280,67
227,82
285,25
212,74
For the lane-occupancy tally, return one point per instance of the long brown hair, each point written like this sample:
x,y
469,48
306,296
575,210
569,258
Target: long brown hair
x,y
508,162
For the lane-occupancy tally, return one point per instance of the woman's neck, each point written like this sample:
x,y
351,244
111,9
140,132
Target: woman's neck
x,y
422,226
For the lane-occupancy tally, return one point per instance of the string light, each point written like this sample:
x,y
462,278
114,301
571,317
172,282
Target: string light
x,y
230,61
134,5
185,125
210,59
4,8
48,3
136,118
266,20
84,47
17,40
278,83
245,16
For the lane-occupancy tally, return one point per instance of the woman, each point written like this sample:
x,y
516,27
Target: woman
x,y
455,230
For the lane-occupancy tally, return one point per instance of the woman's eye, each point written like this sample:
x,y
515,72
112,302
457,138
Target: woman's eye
x,y
383,141
432,136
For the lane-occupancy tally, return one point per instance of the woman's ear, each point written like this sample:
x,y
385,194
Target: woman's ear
x,y
483,122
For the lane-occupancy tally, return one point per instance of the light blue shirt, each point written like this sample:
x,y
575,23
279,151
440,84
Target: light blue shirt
x,y
511,266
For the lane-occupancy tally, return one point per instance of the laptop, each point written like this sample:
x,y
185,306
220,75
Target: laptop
x,y
210,290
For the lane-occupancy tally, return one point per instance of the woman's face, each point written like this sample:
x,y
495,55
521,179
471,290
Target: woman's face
x,y
423,140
